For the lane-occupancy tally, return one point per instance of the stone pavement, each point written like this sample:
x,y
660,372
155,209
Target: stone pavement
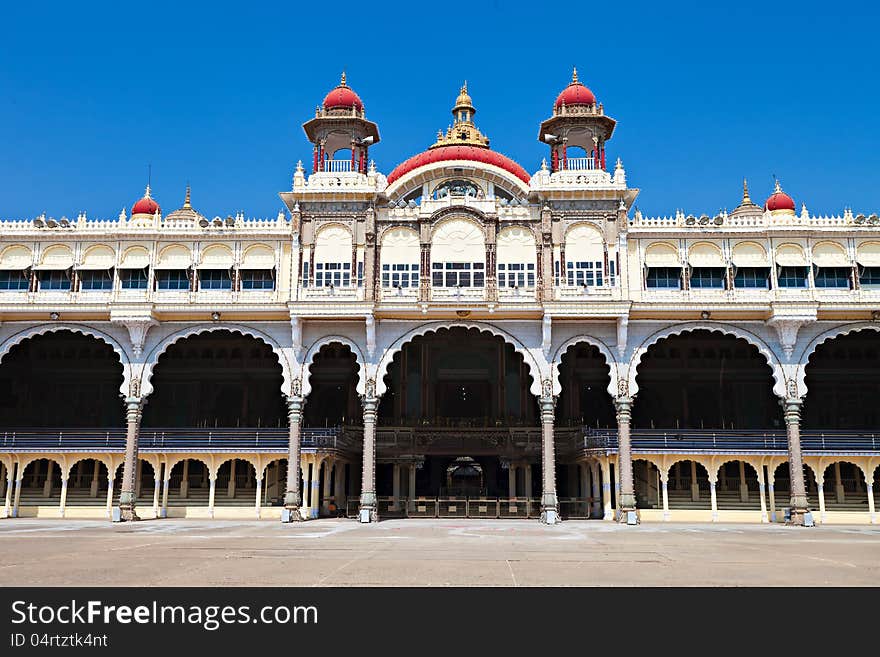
x,y
419,552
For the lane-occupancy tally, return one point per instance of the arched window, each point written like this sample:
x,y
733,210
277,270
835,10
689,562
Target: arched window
x,y
333,257
457,188
585,257
458,255
400,259
516,258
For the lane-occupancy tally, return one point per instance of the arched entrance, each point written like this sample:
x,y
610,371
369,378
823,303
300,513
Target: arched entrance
x,y
459,430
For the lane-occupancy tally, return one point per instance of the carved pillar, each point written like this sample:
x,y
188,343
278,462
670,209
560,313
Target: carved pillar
x,y
370,402
799,507
627,501
549,502
370,256
127,499
292,493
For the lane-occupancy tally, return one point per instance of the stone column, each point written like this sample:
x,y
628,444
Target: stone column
x,y
511,481
714,497
10,479
184,480
230,487
695,486
664,481
606,489
259,491
771,493
166,484
212,491
96,474
527,479
292,493
761,494
395,486
838,484
315,488
17,499
62,505
799,506
820,485
339,487
743,486
110,477
157,476
412,481
869,485
549,501
47,486
596,489
127,500
368,511
325,503
626,504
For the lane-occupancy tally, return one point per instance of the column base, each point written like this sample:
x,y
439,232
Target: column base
x,y
799,517
291,514
126,514
367,512
550,515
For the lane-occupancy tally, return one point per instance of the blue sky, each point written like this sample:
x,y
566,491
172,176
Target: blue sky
x,y
215,94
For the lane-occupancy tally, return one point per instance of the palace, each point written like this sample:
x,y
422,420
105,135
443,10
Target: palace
x,y
457,338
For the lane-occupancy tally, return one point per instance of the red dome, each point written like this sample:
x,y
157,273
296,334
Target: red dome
x,y
146,205
342,96
447,153
779,200
575,94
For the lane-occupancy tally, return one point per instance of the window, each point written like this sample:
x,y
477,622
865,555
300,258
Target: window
x,y
56,279
305,274
97,279
707,278
752,277
838,277
792,277
172,279
458,274
457,188
869,277
257,279
15,279
335,274
400,275
664,277
133,279
513,274
215,279
584,272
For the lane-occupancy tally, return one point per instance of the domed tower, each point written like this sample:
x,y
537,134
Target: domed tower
x,y
779,202
577,122
340,123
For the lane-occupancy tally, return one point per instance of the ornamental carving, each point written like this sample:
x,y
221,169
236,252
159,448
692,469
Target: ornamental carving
x,y
622,388
296,387
792,389
370,389
547,388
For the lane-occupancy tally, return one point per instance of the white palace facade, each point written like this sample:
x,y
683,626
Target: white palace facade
x,y
457,338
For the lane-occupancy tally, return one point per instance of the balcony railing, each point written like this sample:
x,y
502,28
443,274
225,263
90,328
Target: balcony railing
x,y
733,440
337,166
170,438
579,164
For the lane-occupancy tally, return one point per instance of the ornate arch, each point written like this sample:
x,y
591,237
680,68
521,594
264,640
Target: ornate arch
x,y
779,386
610,361
83,329
830,334
152,358
432,327
721,461
306,386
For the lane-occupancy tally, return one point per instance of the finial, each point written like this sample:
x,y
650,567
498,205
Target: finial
x,y
574,75
186,202
778,186
464,87
746,198
342,80
147,192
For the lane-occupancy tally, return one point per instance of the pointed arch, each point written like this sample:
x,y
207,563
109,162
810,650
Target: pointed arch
x,y
528,358
312,351
830,334
152,358
779,385
610,360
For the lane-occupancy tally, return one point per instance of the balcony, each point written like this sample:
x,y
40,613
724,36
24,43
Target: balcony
x,y
586,292
325,293
337,166
579,164
515,294
392,294
458,294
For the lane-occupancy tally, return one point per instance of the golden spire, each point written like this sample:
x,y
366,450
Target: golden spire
x,y
464,99
574,75
147,193
186,202
342,80
746,198
778,187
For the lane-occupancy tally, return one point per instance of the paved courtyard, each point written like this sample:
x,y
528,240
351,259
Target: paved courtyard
x,y
431,553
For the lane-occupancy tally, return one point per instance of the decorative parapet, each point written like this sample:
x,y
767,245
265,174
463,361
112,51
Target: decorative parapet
x,y
763,220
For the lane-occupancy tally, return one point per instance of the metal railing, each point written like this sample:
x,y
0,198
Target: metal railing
x,y
337,166
733,440
579,164
171,438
